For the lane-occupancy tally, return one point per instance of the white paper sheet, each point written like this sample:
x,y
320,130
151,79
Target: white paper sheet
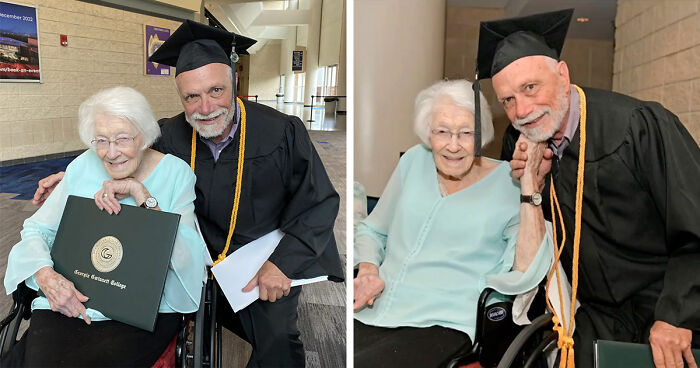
x,y
234,272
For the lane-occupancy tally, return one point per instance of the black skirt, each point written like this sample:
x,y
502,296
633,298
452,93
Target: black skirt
x,y
406,346
54,340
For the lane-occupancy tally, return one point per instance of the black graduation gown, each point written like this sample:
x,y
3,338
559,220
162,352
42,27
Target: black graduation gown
x,y
285,186
640,239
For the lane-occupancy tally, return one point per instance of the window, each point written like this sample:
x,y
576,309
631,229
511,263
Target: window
x,y
320,81
331,85
299,87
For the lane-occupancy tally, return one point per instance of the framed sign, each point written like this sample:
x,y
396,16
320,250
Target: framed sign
x,y
298,61
19,43
154,37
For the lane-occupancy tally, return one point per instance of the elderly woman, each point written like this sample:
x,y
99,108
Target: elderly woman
x,y
119,168
447,225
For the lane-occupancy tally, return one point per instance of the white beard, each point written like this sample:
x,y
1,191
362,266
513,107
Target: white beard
x,y
210,131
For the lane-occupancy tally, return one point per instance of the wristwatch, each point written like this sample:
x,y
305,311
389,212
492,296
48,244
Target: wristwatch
x,y
534,199
149,203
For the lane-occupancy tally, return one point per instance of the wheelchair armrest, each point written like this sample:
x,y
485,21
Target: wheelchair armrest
x,y
200,325
25,295
480,308
22,297
21,309
523,337
469,355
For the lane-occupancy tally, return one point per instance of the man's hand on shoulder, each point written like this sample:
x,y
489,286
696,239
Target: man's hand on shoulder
x,y
46,186
671,345
272,283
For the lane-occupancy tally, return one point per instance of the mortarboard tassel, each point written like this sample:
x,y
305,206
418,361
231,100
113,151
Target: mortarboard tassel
x,y
234,55
477,116
234,60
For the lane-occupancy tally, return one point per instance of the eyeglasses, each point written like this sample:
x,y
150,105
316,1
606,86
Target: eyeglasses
x,y
445,135
121,142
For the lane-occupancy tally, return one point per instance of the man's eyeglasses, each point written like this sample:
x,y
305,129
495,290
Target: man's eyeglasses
x,y
120,142
445,135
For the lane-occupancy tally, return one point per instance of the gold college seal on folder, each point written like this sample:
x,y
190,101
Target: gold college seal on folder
x,y
119,261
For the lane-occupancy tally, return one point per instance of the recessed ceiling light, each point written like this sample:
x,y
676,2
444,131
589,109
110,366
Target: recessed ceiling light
x,y
582,19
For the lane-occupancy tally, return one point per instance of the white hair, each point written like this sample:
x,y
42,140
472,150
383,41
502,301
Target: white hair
x,y
123,102
461,95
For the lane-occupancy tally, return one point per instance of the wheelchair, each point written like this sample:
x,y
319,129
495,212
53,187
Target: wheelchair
x,y
197,330
499,342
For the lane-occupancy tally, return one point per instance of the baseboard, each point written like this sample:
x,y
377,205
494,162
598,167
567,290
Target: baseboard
x,y
40,158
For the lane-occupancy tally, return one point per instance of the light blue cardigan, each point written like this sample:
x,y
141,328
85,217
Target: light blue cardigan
x,y
436,253
171,182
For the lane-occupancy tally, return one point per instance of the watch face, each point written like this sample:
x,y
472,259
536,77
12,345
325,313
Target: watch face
x,y
536,199
151,202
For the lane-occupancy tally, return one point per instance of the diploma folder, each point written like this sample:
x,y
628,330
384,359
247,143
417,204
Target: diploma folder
x,y
85,249
616,354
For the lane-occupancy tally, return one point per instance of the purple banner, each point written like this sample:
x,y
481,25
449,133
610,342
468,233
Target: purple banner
x,y
155,36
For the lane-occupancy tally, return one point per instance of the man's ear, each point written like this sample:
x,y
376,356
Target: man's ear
x,y
563,71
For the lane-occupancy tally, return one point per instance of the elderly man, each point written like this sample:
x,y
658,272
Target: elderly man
x,y
280,183
639,234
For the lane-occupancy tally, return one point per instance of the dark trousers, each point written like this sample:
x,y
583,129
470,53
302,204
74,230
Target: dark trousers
x,y
270,328
406,346
54,340
629,322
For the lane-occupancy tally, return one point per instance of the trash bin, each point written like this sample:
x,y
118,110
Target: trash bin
x,y
280,98
331,105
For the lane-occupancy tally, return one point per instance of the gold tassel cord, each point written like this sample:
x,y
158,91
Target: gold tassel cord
x,y
193,149
559,325
565,329
239,178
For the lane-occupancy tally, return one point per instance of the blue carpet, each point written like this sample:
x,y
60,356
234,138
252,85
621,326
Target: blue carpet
x,y
23,178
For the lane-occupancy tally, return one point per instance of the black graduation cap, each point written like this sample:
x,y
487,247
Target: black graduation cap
x,y
501,42
194,45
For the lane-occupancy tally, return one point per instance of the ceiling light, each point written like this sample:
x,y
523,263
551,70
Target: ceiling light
x,y
582,19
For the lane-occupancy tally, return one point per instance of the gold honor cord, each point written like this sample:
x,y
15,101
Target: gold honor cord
x,y
239,178
565,335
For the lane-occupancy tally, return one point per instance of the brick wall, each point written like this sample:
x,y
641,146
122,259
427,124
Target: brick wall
x,y
105,49
657,55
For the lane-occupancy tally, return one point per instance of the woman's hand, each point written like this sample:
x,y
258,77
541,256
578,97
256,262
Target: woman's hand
x,y
112,191
536,164
61,293
367,286
522,161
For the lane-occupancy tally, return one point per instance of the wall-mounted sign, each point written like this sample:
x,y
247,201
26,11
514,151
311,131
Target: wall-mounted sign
x,y
298,61
19,43
154,37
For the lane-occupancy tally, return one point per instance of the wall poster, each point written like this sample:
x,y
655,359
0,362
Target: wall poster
x,y
298,60
155,36
19,43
